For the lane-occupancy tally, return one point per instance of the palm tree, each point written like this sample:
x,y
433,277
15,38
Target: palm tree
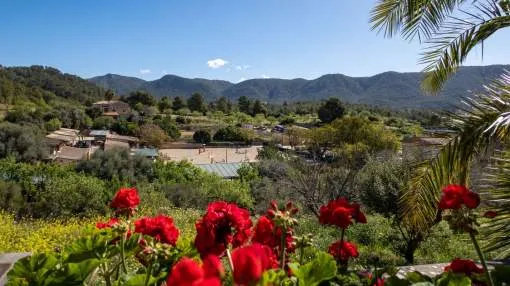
x,y
450,29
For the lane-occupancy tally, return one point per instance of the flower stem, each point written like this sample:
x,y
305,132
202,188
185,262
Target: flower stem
x,y
230,263
301,254
122,252
149,274
342,236
282,248
481,256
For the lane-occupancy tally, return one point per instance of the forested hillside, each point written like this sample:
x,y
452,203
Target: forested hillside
x,y
390,89
44,86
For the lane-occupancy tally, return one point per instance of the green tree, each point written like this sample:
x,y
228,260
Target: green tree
x,y
450,30
169,127
259,108
109,95
152,135
103,123
224,105
202,136
140,97
331,110
232,134
164,104
53,124
196,103
178,103
244,104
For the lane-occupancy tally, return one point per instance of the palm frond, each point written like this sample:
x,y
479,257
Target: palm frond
x,y
412,18
475,136
496,194
449,46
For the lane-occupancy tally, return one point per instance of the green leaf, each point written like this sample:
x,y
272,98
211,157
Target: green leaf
x,y
417,277
423,284
88,247
452,279
273,277
395,281
322,268
139,280
33,270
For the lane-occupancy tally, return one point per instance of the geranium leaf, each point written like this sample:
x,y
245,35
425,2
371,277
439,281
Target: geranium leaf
x,y
33,270
88,247
451,279
272,277
139,280
416,277
321,268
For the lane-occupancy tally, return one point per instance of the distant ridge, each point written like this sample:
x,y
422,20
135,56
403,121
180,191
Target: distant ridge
x,y
391,89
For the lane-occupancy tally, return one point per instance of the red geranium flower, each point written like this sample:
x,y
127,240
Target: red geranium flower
x,y
222,224
490,214
187,272
465,266
161,227
454,196
110,223
341,213
379,282
251,261
343,250
266,233
125,198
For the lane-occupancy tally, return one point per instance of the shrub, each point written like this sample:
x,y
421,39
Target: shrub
x,y
202,136
103,123
152,135
168,126
183,120
11,197
52,124
232,134
117,164
72,195
24,143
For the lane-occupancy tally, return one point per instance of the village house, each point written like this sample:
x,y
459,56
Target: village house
x,y
113,108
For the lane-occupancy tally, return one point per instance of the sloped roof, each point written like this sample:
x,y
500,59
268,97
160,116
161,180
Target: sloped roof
x,y
111,144
73,153
145,152
99,132
225,170
122,138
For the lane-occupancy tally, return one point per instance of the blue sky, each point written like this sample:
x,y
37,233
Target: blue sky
x,y
216,39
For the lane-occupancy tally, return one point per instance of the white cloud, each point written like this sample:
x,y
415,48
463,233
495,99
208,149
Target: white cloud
x,y
145,71
216,63
264,76
164,72
241,79
243,67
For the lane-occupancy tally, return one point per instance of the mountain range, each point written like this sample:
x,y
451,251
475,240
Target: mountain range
x,y
391,89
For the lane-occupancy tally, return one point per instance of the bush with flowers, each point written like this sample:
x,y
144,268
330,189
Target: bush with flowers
x,y
231,249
